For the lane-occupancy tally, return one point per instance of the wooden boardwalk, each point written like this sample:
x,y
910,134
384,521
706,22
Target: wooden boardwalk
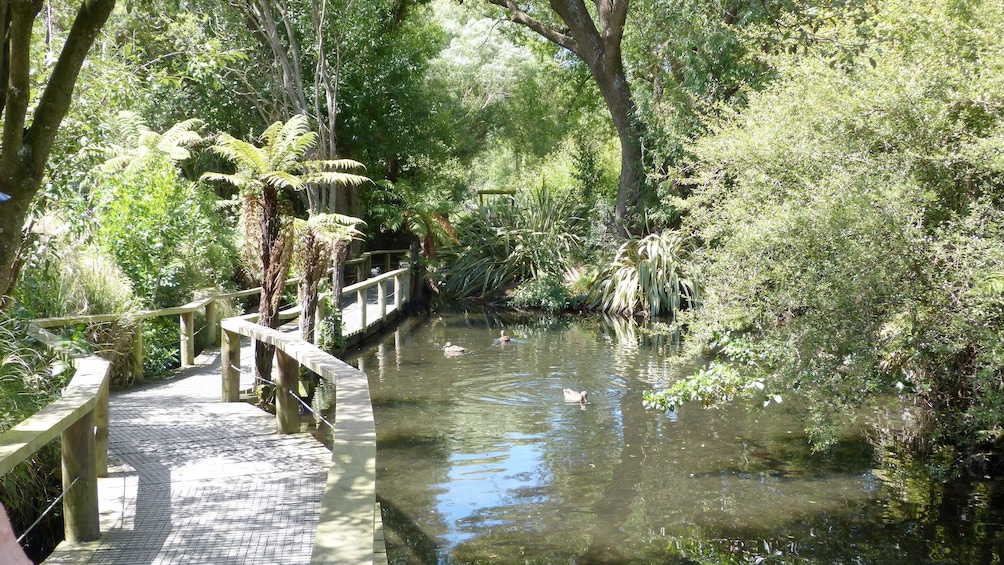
x,y
195,480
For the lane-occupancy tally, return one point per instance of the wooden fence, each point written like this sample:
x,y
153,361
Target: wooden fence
x,y
80,415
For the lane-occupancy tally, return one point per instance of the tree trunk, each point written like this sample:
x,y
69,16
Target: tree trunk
x,y
616,93
598,43
315,257
339,252
26,149
275,256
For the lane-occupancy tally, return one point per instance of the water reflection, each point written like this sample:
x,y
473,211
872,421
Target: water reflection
x,y
481,461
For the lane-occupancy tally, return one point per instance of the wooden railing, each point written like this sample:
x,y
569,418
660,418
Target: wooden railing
x,y
345,530
186,313
346,525
80,415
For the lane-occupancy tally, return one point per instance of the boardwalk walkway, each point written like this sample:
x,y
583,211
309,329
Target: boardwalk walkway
x,y
195,480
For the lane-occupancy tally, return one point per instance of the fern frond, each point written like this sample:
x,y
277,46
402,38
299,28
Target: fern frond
x,y
330,177
241,153
283,179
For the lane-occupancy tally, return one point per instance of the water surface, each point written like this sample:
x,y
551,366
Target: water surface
x,y
480,460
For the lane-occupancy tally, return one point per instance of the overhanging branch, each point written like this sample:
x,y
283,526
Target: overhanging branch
x,y
517,15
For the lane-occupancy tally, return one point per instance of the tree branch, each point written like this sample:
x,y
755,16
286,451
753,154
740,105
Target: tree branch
x,y
55,100
22,16
517,15
612,16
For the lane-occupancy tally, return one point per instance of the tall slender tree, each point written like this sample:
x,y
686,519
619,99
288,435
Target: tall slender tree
x,y
261,176
28,134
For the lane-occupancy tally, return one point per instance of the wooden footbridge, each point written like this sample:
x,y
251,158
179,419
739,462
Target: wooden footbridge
x,y
181,470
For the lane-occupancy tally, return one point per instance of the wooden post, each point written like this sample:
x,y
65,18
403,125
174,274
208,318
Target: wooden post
x,y
188,339
407,285
137,353
212,324
101,432
80,503
287,408
361,300
382,298
386,262
397,293
231,362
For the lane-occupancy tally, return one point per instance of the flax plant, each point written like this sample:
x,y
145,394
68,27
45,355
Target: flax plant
x,y
652,275
505,244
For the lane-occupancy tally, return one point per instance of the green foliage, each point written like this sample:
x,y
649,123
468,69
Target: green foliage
x,y
653,275
502,244
329,330
161,337
59,279
547,293
853,219
402,207
163,231
30,378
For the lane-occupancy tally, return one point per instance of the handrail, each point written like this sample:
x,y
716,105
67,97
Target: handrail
x,y
80,417
186,313
347,524
345,528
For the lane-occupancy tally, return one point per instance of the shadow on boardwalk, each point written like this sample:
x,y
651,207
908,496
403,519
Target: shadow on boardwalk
x,y
195,480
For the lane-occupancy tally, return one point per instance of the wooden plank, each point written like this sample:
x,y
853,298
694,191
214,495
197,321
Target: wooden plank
x,y
79,398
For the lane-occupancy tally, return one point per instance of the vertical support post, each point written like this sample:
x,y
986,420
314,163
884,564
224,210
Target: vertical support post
x,y
212,324
406,291
80,503
382,299
361,301
188,339
322,311
137,353
386,262
231,366
101,432
287,408
397,293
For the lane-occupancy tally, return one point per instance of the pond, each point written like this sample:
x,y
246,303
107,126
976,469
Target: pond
x,y
480,460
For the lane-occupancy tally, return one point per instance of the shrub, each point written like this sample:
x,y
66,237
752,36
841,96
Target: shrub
x,y
164,231
61,279
652,275
853,219
506,243
329,329
30,378
546,293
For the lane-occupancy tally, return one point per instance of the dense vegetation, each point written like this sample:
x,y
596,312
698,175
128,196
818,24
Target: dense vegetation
x,y
818,206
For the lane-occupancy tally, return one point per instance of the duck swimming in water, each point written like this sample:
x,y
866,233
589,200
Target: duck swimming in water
x,y
502,337
449,349
572,396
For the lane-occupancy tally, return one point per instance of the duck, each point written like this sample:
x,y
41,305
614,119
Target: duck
x,y
503,338
450,348
572,396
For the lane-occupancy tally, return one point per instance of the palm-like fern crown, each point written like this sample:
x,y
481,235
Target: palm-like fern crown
x,y
279,162
132,141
